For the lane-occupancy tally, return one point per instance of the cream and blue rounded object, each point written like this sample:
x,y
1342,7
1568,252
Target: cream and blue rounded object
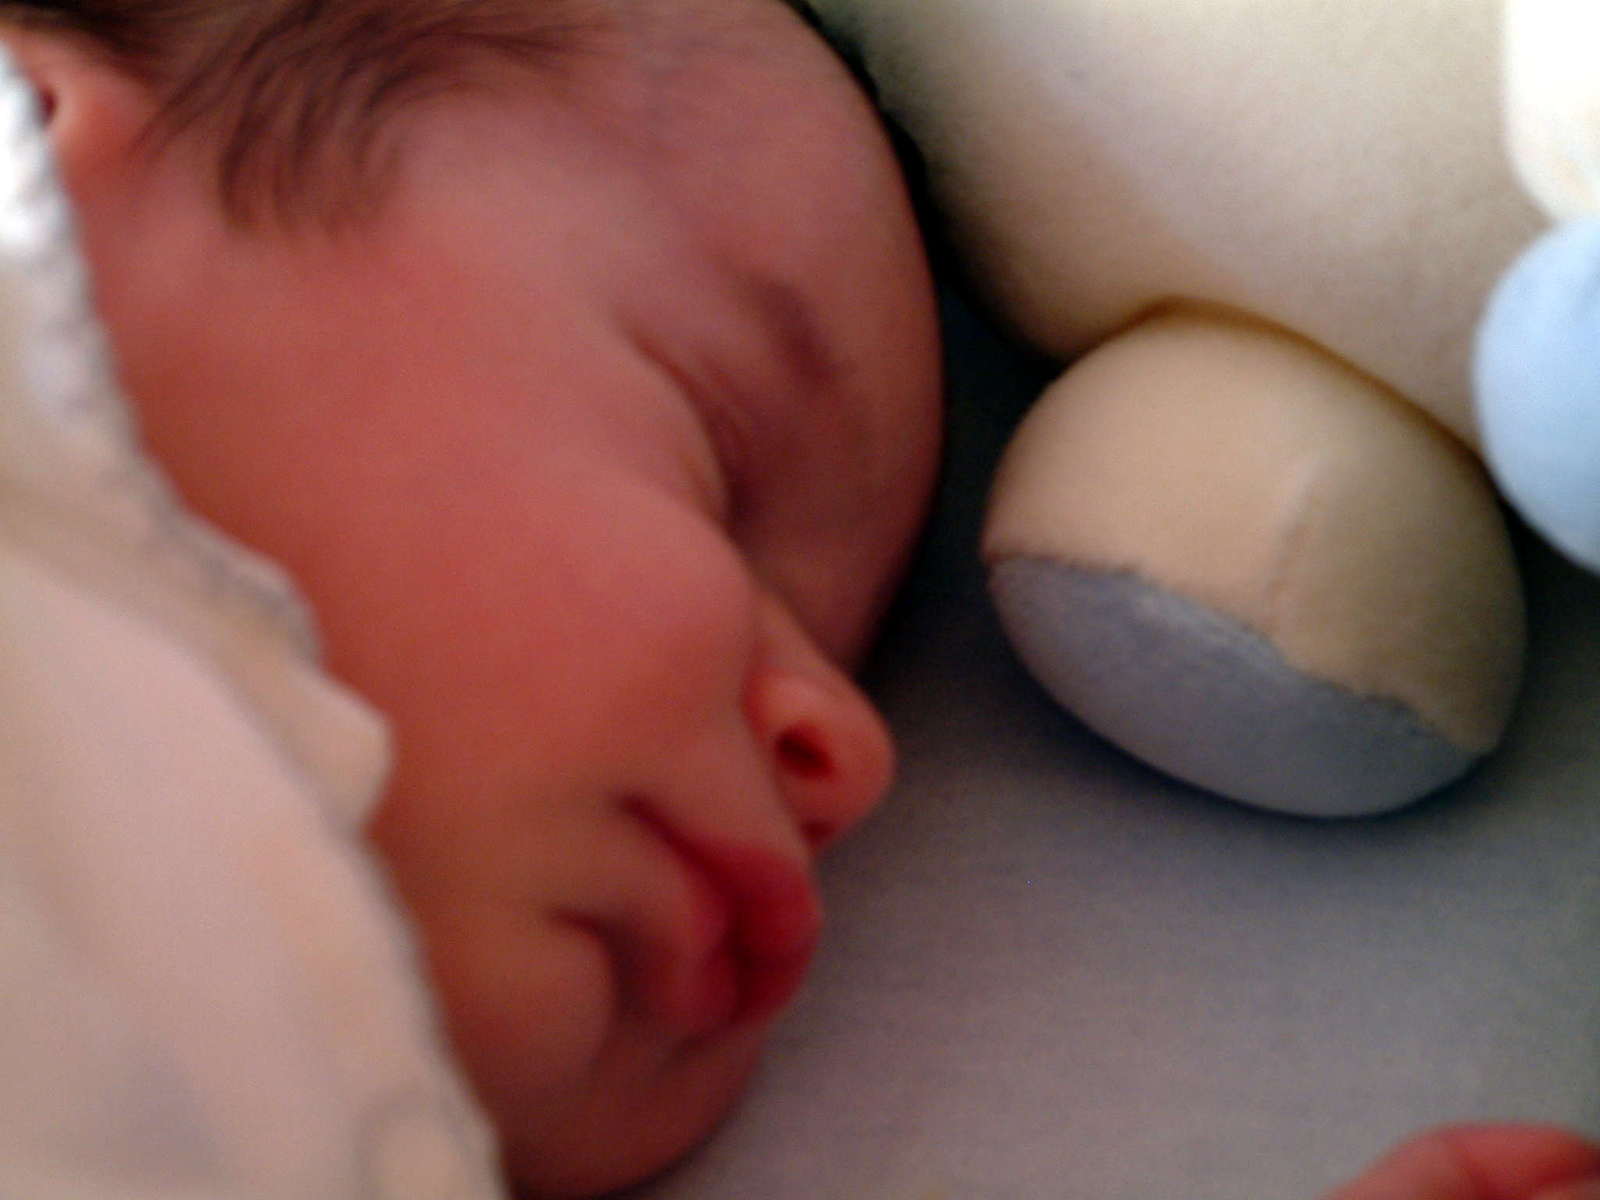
x,y
1256,569
1538,374
1192,691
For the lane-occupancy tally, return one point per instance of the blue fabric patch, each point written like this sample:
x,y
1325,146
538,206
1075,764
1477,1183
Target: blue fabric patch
x,y
1205,699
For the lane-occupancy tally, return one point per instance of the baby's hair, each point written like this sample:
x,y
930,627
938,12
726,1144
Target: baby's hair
x,y
297,93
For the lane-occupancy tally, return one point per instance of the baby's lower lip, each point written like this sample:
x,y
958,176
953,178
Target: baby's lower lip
x,y
769,986
727,991
766,916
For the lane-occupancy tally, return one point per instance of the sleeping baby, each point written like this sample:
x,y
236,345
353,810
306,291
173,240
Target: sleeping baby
x,y
578,362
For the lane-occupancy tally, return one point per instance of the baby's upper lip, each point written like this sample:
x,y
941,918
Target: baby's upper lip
x,y
755,942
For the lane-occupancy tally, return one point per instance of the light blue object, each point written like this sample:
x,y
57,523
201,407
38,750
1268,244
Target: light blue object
x,y
1538,375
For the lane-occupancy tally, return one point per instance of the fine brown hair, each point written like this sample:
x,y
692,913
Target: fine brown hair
x,y
296,95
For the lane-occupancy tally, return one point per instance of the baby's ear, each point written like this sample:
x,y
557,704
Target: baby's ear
x,y
94,109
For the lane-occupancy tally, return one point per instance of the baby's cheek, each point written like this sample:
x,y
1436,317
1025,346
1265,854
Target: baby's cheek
x,y
678,629
528,1002
648,1105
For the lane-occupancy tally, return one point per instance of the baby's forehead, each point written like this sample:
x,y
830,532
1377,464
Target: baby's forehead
x,y
302,120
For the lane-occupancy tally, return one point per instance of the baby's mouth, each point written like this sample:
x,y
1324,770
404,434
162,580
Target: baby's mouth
x,y
758,918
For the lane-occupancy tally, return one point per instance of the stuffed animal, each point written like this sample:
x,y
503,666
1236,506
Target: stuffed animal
x,y
1248,534
1539,349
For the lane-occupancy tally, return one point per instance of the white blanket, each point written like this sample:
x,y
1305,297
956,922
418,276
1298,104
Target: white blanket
x,y
205,989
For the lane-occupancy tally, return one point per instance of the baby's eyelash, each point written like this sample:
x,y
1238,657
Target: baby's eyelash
x,y
727,425
723,416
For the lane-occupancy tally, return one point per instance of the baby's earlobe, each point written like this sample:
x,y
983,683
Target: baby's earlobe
x,y
47,104
96,111
31,53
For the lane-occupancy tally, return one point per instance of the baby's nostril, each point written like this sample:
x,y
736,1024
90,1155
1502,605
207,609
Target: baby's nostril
x,y
818,834
800,751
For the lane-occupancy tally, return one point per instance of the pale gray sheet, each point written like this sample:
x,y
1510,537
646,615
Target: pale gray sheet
x,y
1051,974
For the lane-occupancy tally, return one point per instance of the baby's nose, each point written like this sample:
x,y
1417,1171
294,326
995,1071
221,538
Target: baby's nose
x,y
827,747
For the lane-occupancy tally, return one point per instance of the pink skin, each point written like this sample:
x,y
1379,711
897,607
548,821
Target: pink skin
x,y
598,454
1484,1162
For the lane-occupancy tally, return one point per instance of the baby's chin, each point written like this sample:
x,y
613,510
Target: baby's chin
x,y
632,1118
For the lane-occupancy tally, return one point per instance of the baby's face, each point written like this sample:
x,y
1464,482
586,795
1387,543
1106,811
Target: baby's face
x,y
598,456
